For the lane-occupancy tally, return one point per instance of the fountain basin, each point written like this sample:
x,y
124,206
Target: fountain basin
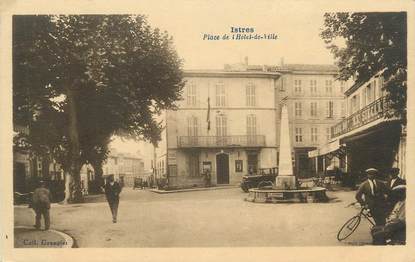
x,y
300,195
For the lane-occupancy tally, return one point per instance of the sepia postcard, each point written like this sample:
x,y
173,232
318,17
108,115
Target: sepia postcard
x,y
207,130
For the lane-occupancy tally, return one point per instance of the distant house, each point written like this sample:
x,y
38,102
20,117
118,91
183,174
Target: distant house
x,y
125,167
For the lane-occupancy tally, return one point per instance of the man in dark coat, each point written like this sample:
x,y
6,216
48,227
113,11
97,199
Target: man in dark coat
x,y
41,204
394,181
112,192
374,192
395,228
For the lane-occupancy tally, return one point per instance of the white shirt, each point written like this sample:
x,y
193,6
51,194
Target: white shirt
x,y
393,182
371,182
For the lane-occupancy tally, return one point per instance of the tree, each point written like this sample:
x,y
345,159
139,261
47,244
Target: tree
x,y
373,42
90,77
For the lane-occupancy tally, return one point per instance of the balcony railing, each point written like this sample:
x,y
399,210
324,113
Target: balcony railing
x,y
369,113
221,141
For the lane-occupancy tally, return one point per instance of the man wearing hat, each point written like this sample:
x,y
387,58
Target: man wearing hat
x,y
112,192
394,181
371,194
41,204
395,228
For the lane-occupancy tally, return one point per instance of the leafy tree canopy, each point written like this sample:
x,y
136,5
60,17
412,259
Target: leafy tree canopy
x,y
373,42
79,79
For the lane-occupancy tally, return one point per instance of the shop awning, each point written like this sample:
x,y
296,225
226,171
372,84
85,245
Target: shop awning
x,y
325,149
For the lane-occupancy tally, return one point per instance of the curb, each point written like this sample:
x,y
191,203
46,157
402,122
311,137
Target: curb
x,y
158,191
65,236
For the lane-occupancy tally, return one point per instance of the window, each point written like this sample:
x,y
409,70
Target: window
x,y
328,135
313,86
221,125
250,94
355,103
297,86
282,82
298,110
251,125
194,164
369,94
192,126
192,129
191,94
380,85
314,135
298,134
220,94
251,129
330,109
329,86
313,109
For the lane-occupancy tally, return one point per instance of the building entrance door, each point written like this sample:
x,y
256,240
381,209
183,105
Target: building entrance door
x,y
222,169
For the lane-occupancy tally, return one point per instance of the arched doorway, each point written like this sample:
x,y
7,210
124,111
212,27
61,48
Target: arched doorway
x,y
222,168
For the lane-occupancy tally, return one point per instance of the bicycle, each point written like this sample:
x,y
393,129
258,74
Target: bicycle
x,y
351,225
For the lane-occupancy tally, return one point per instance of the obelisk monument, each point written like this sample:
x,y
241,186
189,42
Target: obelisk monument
x,y
285,178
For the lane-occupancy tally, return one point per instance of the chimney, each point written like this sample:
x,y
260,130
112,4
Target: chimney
x,y
246,60
282,61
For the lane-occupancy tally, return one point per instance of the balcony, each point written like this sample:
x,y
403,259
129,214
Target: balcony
x,y
369,113
220,141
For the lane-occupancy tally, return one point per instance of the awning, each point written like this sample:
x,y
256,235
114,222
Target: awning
x,y
326,149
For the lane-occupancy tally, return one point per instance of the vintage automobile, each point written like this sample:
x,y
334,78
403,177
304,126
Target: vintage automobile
x,y
265,176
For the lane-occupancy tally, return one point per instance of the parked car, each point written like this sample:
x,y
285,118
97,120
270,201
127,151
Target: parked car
x,y
264,176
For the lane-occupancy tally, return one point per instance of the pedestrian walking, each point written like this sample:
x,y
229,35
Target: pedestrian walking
x,y
41,205
112,192
371,194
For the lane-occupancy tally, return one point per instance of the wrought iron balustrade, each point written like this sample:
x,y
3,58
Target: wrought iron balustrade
x,y
367,114
221,141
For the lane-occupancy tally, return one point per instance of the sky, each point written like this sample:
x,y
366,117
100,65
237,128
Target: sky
x,y
297,29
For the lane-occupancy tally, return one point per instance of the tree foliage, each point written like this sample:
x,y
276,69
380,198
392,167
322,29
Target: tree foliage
x,y
374,42
78,80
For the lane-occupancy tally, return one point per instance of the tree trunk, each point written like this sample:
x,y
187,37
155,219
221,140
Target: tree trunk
x,y
99,181
68,183
74,154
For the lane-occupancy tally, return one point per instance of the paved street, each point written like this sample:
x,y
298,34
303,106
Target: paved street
x,y
203,219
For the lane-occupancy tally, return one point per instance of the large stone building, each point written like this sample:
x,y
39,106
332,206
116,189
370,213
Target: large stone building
x,y
229,121
368,136
124,166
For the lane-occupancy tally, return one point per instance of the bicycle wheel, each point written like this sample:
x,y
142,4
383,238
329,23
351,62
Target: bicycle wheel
x,y
348,228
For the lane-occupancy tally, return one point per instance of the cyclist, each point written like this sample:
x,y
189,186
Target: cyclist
x,y
374,192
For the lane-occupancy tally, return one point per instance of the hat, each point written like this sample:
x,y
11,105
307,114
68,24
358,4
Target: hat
x,y
400,187
371,171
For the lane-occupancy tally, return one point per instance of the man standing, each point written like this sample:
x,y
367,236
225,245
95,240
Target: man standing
x,y
394,181
41,204
112,192
395,228
374,192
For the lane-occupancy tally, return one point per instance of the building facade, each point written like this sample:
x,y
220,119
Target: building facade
x,y
315,103
369,136
124,166
229,120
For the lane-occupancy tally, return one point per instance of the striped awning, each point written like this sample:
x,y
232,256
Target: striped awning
x,y
325,149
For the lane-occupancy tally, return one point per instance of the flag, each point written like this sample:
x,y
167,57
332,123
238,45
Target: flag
x,y
208,115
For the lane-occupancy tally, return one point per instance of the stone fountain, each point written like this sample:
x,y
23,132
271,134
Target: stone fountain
x,y
286,188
